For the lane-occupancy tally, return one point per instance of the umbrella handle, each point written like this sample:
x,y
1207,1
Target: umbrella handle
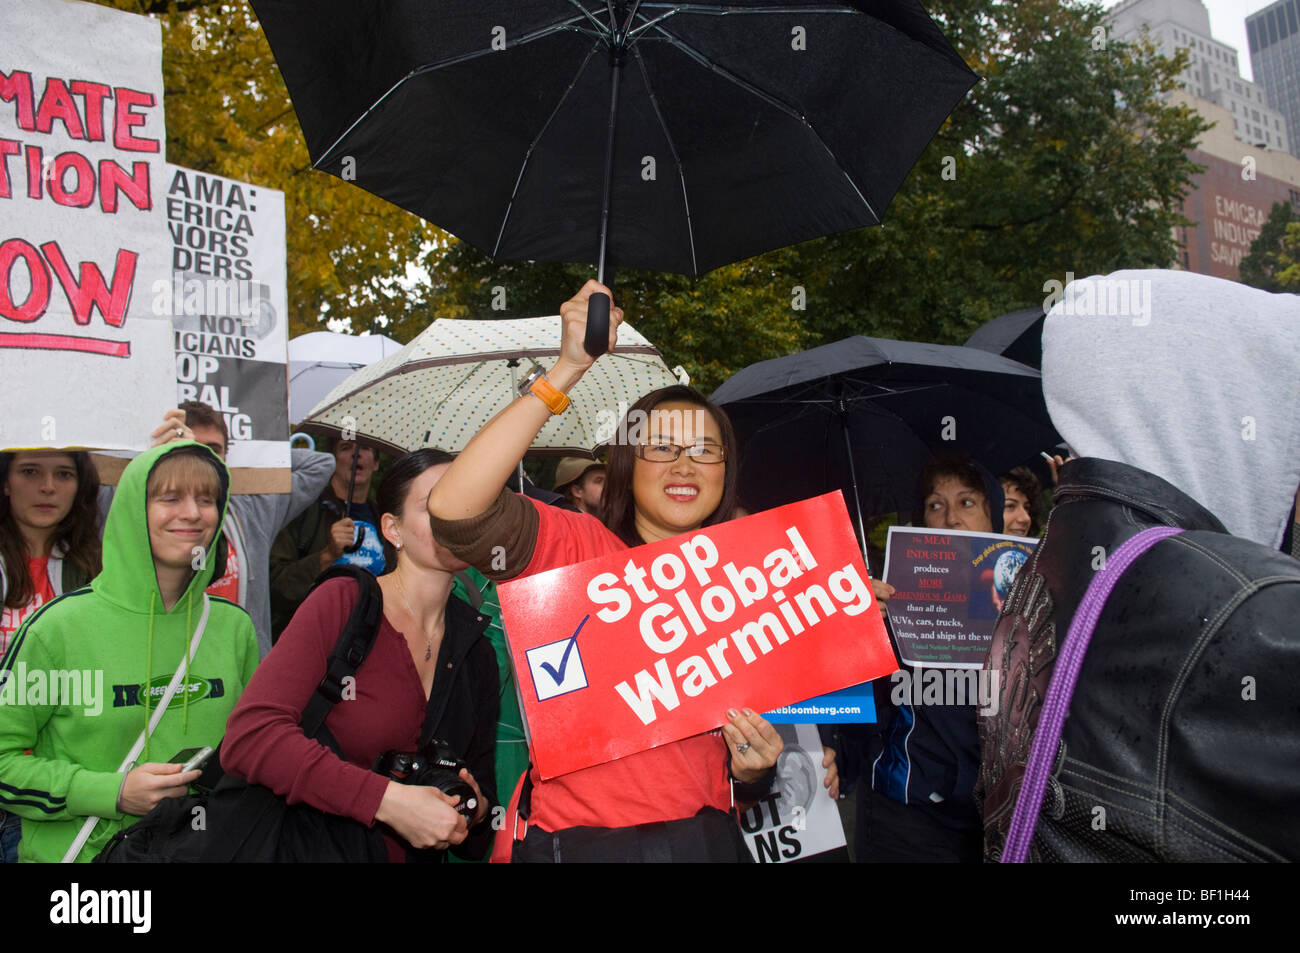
x,y
596,342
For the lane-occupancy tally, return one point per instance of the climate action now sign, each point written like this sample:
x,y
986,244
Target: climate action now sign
x,y
653,644
83,359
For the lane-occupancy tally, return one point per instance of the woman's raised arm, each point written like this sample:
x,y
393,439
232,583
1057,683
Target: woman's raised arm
x,y
475,479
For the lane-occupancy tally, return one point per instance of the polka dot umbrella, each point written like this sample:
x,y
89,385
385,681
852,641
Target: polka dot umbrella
x,y
441,388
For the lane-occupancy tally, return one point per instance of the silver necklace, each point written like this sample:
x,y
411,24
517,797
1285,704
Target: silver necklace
x,y
428,638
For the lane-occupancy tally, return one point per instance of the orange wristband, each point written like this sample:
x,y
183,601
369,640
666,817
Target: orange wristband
x,y
550,395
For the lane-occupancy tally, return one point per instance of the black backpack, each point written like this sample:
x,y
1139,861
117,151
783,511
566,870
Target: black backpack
x,y
242,822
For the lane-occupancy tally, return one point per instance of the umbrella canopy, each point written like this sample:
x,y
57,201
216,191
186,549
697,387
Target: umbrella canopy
x,y
321,360
1017,335
700,134
439,390
864,414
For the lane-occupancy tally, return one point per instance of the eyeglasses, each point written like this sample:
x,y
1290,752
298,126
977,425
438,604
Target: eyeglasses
x,y
669,452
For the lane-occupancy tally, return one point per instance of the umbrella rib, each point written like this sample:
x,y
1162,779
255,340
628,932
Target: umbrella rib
x,y
726,9
636,31
514,192
457,386
884,392
613,17
713,10
590,16
672,146
770,100
537,34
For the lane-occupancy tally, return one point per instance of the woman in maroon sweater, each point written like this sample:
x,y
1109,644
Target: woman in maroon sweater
x,y
430,674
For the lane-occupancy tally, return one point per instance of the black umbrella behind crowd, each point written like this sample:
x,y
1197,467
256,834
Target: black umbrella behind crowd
x,y
670,136
863,415
1016,334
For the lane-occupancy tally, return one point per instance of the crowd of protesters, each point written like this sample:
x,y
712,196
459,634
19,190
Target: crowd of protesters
x,y
200,608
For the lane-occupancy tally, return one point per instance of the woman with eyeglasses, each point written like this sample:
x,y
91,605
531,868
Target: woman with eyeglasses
x,y
675,474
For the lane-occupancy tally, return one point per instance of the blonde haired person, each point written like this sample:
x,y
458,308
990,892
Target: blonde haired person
x,y
107,655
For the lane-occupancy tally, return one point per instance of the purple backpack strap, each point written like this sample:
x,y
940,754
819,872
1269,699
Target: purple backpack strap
x,y
1047,735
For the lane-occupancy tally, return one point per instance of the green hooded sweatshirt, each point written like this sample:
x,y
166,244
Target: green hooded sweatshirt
x,y
85,672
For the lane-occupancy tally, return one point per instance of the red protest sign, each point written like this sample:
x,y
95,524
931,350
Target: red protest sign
x,y
647,646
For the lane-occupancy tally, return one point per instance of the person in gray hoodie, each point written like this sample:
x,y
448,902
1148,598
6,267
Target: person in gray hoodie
x,y
253,520
1179,397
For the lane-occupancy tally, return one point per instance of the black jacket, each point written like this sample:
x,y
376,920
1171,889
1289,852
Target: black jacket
x,y
463,709
1183,737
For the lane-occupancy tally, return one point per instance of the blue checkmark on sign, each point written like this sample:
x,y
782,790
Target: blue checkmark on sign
x,y
564,660
560,663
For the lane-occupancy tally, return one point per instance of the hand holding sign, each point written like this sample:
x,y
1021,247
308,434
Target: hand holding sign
x,y
172,428
754,745
882,591
832,781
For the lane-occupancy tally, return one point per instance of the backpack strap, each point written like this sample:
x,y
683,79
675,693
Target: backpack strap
x,y
472,593
1051,720
353,645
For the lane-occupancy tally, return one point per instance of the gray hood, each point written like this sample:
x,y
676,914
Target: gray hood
x,y
1192,378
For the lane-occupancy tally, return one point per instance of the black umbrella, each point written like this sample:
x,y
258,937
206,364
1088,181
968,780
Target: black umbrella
x,y
864,414
1017,335
669,136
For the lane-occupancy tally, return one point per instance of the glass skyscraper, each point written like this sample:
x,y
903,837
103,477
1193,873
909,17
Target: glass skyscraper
x,y
1273,35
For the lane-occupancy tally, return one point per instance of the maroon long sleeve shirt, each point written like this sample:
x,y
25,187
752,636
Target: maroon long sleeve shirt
x,y
265,744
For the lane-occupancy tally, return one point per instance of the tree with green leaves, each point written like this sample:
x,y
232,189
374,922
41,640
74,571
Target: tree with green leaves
x,y
1273,251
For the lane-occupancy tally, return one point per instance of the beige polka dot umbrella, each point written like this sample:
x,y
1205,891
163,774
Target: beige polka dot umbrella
x,y
441,388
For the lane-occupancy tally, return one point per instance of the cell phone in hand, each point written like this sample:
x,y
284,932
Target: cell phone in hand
x,y
192,758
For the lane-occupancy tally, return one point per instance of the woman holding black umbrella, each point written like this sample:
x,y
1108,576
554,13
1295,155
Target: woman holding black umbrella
x,y
669,802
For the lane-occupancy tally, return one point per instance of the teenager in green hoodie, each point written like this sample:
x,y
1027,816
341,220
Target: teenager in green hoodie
x,y
82,677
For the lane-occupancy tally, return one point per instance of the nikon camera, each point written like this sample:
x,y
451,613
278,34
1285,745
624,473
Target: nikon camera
x,y
436,765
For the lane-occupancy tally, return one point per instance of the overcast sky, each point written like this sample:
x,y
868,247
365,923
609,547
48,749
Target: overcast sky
x,y
1228,24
